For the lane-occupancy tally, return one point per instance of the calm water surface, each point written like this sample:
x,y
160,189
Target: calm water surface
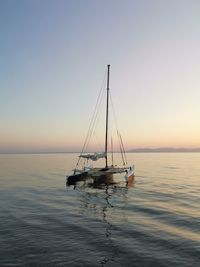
x,y
154,222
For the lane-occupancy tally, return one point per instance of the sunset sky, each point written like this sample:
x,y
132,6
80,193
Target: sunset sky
x,y
53,56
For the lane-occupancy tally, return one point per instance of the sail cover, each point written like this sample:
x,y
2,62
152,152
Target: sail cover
x,y
94,156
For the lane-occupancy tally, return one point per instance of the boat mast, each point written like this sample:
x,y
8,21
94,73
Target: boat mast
x,y
107,106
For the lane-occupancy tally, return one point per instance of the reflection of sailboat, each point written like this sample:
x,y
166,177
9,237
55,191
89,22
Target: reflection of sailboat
x,y
99,206
107,172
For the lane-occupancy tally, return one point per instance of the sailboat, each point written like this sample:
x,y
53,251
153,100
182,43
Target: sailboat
x,y
105,173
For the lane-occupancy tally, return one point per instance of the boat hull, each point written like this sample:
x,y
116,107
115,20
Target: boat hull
x,y
103,175
74,178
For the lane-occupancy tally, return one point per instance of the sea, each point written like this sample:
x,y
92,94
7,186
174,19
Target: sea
x,y
153,221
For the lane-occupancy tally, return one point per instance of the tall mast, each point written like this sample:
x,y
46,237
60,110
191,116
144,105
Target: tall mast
x,y
107,106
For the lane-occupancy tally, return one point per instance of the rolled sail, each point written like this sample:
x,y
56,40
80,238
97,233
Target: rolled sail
x,y
94,156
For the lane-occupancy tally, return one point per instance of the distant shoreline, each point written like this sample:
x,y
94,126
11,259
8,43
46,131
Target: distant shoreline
x,y
165,150
137,150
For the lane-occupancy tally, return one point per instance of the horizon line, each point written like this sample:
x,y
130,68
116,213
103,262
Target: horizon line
x,y
135,150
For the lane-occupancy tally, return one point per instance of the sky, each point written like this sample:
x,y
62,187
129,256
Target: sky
x,y
53,57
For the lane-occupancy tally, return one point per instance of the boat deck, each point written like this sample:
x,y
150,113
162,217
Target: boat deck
x,y
109,170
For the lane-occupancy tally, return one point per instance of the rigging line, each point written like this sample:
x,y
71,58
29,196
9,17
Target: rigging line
x,y
115,119
91,122
116,127
120,146
91,128
98,141
89,133
95,114
123,148
114,114
95,121
112,150
119,135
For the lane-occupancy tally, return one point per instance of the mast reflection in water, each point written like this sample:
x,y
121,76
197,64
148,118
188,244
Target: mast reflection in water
x,y
97,198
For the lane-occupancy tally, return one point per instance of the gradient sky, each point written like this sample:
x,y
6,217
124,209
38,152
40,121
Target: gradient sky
x,y
53,55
